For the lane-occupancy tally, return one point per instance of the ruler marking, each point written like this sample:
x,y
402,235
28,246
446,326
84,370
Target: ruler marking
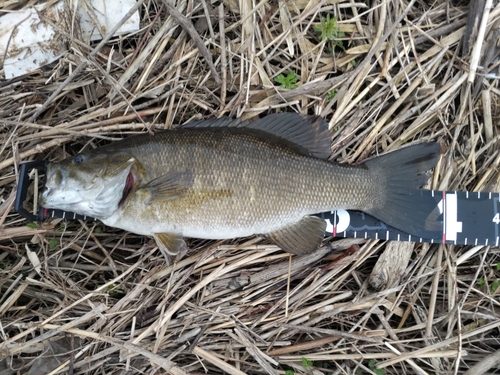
x,y
409,238
345,233
450,215
355,234
387,235
486,242
366,235
432,193
467,194
334,223
376,235
496,243
443,240
399,237
495,213
489,195
475,243
465,241
478,194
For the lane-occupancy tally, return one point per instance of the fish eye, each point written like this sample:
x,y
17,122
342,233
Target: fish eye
x,y
79,159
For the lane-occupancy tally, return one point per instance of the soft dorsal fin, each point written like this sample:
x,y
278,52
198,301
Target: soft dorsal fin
x,y
308,132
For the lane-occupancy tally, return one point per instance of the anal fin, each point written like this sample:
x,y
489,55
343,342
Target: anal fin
x,y
300,238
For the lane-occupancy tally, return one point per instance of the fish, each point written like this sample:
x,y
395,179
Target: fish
x,y
227,178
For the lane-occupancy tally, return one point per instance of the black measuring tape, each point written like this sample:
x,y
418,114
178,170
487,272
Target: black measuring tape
x,y
467,218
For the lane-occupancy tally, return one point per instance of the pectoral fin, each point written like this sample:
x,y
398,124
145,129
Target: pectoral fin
x,y
169,186
302,237
170,243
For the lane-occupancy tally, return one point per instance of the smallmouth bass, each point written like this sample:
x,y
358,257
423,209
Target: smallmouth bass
x,y
223,178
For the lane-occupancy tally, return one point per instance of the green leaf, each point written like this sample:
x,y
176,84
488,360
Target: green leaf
x,y
498,266
113,289
287,82
52,244
328,29
31,225
306,363
494,285
289,372
481,282
330,96
373,366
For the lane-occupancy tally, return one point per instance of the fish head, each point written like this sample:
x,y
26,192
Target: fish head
x,y
93,183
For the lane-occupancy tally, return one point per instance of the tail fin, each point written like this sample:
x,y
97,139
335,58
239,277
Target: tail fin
x,y
405,172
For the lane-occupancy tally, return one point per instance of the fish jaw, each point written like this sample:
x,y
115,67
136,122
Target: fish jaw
x,y
96,190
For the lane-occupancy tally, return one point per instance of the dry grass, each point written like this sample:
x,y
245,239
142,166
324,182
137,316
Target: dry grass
x,y
106,301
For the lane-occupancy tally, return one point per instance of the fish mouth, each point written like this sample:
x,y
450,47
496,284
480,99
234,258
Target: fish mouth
x,y
127,189
98,202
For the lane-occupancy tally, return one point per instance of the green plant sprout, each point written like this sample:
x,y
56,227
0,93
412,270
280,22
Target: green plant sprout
x,y
330,96
494,285
373,366
289,81
306,363
328,30
113,289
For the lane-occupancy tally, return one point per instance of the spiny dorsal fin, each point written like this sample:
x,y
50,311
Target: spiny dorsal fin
x,y
310,133
223,122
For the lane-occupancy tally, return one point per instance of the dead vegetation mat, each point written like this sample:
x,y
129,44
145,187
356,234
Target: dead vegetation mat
x,y
81,298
